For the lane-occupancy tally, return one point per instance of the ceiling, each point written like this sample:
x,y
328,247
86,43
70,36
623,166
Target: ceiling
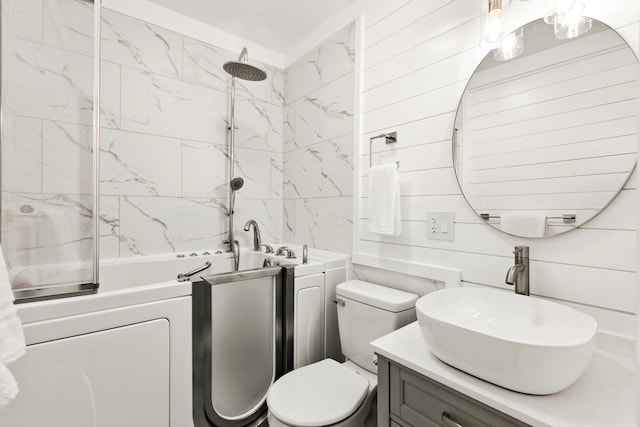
x,y
274,24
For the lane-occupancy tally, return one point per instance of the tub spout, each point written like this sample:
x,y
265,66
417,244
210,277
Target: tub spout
x,y
257,241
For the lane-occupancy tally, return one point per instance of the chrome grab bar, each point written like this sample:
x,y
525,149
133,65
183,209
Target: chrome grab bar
x,y
183,277
237,276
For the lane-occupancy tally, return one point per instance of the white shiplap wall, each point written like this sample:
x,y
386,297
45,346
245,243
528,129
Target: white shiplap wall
x,y
417,58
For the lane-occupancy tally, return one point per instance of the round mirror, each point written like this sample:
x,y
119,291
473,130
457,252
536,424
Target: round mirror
x,y
545,141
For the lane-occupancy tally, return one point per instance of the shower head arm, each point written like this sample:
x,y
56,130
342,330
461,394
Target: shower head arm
x,y
244,56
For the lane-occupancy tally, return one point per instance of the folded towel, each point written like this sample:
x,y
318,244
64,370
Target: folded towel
x,y
8,386
12,343
524,224
384,200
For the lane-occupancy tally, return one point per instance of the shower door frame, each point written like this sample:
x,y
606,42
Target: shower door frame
x,y
53,291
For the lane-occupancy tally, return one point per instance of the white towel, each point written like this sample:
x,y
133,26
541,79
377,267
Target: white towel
x,y
524,224
384,200
8,386
12,343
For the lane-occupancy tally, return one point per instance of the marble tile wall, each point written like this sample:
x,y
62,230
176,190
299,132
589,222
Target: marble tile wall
x,y
318,145
164,155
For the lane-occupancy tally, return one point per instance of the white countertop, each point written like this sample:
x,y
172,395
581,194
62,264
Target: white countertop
x,y
603,396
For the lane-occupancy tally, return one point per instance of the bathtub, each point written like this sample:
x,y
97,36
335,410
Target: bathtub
x,y
121,356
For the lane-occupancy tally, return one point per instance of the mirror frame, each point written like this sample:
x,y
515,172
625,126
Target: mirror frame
x,y
454,154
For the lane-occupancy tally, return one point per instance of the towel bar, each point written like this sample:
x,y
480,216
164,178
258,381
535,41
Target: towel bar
x,y
566,218
389,138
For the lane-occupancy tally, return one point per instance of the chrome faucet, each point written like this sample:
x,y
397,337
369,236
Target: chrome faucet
x,y
518,274
257,242
283,250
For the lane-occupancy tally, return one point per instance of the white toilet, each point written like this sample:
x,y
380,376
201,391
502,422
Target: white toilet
x,y
340,394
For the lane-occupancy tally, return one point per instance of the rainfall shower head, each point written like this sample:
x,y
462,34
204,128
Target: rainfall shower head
x,y
243,70
236,183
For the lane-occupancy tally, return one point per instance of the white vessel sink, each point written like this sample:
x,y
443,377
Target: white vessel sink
x,y
514,341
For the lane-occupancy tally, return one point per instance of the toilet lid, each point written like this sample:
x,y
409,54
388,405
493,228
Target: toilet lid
x,y
317,395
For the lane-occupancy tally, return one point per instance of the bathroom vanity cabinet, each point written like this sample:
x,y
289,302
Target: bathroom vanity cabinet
x,y
406,398
415,389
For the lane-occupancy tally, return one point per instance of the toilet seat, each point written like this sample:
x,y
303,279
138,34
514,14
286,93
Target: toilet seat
x,y
320,394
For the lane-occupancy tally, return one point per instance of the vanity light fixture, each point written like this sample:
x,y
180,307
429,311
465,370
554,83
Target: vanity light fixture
x,y
510,47
571,26
566,18
494,26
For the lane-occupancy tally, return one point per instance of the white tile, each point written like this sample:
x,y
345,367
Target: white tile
x,y
163,106
332,59
152,225
109,227
202,64
338,54
26,19
136,164
205,170
288,131
58,85
269,90
277,175
68,25
337,166
288,221
259,125
326,113
21,154
138,44
254,166
303,76
67,161
303,173
325,223
267,213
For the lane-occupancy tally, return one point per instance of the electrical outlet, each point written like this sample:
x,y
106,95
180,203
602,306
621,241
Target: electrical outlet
x,y
433,220
440,225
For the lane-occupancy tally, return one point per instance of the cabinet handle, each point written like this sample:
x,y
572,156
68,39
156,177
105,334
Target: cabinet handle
x,y
446,419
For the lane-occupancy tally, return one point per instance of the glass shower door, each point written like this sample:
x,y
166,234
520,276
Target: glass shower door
x,y
48,197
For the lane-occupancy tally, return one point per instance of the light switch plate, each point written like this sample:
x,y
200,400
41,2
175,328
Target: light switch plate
x,y
440,225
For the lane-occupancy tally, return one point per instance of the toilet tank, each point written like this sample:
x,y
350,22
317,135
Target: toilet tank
x,y
366,312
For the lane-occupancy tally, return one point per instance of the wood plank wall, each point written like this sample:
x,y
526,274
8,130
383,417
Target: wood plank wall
x,y
417,58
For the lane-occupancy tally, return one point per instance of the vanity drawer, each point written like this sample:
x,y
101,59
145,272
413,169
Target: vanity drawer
x,y
420,401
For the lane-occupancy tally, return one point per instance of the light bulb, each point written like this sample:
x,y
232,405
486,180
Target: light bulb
x,y
571,26
510,46
554,10
494,25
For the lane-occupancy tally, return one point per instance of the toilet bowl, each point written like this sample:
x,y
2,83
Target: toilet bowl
x,y
324,393
340,394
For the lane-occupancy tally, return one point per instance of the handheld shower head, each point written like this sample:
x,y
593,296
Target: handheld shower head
x,y
243,70
236,183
